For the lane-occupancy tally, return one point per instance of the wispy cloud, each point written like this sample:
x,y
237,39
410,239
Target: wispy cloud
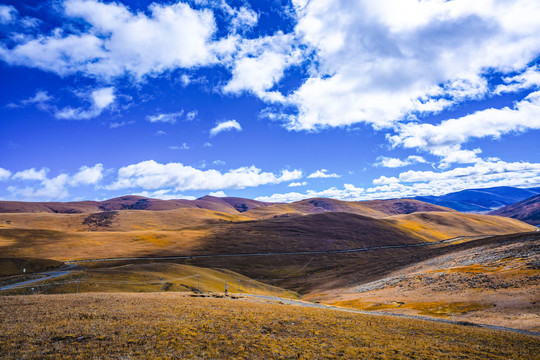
x,y
228,125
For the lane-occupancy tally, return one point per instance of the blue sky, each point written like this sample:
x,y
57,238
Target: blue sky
x,y
274,100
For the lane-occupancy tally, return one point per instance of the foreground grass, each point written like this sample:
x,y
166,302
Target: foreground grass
x,y
171,325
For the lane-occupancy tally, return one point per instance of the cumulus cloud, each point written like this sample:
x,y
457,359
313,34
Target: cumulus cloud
x,y
151,175
4,174
228,125
31,174
260,64
100,100
175,36
421,183
378,62
395,162
530,78
170,118
87,175
55,188
322,173
445,139
8,14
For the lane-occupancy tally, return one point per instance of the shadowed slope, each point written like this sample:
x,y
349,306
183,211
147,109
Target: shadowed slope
x,y
374,208
527,210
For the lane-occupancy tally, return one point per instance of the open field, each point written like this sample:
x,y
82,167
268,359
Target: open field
x,y
177,326
151,277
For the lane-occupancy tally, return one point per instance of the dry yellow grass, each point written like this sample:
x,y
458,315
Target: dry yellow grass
x,y
433,226
151,326
153,277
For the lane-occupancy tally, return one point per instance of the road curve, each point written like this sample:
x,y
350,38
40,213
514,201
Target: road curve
x,y
380,313
47,276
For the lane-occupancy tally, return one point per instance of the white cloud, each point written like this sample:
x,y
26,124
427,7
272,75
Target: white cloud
x,y
394,162
190,116
8,14
119,41
225,126
87,175
4,174
445,139
322,173
207,144
31,174
164,194
100,100
184,146
378,61
55,188
218,194
295,184
422,183
260,64
170,118
160,133
116,125
103,97
150,175
528,79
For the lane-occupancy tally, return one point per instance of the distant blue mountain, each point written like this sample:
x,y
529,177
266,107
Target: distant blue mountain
x,y
481,200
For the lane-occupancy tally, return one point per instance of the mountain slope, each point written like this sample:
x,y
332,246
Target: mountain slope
x,y
132,202
527,210
374,208
481,200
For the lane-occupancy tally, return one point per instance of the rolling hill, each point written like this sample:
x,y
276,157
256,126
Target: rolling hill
x,y
131,202
527,210
481,200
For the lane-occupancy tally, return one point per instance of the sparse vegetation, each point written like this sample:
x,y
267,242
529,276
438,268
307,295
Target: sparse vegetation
x,y
175,326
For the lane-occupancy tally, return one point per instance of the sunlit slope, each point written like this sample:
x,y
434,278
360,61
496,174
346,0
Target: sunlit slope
x,y
433,226
123,220
374,208
172,325
152,277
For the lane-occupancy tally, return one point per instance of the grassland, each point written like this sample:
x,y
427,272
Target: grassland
x,y
152,277
168,325
496,282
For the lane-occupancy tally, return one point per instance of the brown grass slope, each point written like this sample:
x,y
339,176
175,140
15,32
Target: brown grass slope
x,y
131,202
492,280
120,326
527,210
374,208
432,226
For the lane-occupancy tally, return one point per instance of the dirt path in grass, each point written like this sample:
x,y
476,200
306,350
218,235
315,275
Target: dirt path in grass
x,y
379,313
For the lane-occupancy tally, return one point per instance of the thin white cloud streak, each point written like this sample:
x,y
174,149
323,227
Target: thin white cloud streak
x,y
228,125
170,118
151,175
